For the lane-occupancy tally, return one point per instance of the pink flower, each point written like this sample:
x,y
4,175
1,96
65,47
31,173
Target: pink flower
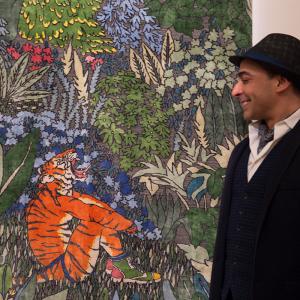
x,y
97,61
13,52
27,47
89,59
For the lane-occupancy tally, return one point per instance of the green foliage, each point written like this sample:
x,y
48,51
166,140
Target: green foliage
x,y
17,168
165,212
132,121
5,279
185,289
223,117
215,183
62,21
202,226
186,15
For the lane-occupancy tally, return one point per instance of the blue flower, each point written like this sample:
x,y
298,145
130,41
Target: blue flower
x,y
144,211
49,129
78,140
148,225
121,211
3,131
56,149
90,188
106,198
105,164
122,177
125,189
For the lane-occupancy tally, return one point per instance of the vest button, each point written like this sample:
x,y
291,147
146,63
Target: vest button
x,y
241,212
245,197
238,229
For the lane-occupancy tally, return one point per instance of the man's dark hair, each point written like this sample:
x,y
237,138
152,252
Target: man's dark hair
x,y
274,70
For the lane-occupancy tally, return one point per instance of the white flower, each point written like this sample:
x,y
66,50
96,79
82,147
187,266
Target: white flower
x,y
196,50
87,158
221,65
70,139
180,80
221,84
195,42
63,140
60,126
48,114
199,73
80,146
228,33
38,162
34,179
132,203
24,199
49,155
113,205
150,235
193,89
70,132
109,181
89,179
207,45
118,197
11,141
186,95
209,76
218,51
208,84
84,132
130,196
168,73
117,186
138,225
170,82
190,66
46,143
94,154
157,231
161,90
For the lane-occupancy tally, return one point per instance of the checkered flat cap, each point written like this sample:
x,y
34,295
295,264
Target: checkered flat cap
x,y
277,49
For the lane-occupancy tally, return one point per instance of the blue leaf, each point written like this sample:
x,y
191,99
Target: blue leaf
x,y
194,185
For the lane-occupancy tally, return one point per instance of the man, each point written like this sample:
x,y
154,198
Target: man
x,y
257,252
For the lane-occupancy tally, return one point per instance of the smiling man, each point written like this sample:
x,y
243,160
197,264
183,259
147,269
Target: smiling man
x,y
257,252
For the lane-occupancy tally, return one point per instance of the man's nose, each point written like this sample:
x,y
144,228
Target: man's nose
x,y
237,89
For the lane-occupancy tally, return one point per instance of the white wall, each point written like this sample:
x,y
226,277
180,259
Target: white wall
x,y
269,16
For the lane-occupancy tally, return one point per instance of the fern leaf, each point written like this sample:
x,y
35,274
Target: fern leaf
x,y
153,66
3,79
167,50
200,124
67,60
138,67
80,79
28,96
95,78
17,71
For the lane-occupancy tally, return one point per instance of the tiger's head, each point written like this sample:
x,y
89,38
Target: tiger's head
x,y
62,168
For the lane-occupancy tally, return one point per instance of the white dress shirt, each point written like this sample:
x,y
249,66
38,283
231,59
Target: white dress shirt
x,y
280,129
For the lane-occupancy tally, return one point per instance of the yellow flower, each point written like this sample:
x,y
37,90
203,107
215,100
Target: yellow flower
x,y
31,25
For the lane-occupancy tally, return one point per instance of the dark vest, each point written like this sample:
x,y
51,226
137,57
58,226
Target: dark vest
x,y
246,206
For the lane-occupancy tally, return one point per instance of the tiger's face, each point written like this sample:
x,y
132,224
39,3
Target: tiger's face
x,y
62,168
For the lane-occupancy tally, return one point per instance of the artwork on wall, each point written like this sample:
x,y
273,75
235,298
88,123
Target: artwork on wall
x,y
116,125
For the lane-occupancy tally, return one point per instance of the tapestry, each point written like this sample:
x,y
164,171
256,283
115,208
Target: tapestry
x,y
116,125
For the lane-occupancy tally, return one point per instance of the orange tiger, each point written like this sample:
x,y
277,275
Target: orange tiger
x,y
73,254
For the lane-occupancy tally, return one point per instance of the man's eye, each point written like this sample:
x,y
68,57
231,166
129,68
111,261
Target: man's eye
x,y
244,81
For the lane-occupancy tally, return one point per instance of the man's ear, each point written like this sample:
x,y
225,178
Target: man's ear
x,y
282,84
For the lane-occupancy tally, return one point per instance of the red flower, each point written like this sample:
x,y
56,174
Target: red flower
x,y
48,58
34,67
47,51
13,52
97,61
37,50
27,47
36,59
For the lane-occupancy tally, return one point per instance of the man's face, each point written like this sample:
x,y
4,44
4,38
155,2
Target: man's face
x,y
255,91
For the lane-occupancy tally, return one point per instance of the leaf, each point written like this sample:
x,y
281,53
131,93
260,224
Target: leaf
x,y
3,79
18,164
167,291
27,291
17,71
215,183
194,185
67,59
214,124
152,187
1,164
200,125
81,83
202,224
198,254
5,279
153,66
59,296
28,80
168,48
30,95
201,285
138,67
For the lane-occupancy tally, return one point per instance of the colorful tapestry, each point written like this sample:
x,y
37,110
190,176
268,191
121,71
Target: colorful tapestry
x,y
116,125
